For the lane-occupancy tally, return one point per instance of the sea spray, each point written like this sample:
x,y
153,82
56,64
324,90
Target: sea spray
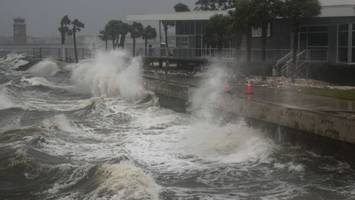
x,y
209,136
47,67
110,74
5,99
124,181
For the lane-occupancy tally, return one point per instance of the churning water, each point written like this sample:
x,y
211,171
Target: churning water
x,y
91,131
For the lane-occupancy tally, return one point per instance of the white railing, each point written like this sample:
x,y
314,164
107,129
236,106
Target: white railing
x,y
303,58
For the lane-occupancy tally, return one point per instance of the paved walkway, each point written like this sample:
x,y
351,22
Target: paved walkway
x,y
299,100
283,97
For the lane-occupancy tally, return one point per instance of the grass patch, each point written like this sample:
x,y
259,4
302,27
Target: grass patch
x,y
333,93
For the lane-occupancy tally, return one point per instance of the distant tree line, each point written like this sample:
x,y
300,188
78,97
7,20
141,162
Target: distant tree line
x,y
117,30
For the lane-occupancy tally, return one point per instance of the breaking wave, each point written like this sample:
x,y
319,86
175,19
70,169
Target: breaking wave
x,y
110,74
45,68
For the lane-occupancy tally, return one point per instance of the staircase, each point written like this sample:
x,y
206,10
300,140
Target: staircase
x,y
285,66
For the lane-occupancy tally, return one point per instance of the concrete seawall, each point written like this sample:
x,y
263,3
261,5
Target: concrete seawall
x,y
311,122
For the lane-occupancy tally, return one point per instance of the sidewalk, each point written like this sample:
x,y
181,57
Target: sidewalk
x,y
295,99
286,97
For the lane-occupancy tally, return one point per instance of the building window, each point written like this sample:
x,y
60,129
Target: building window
x,y
353,44
315,39
343,42
182,42
256,32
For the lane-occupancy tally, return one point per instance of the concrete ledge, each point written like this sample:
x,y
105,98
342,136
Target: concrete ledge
x,y
313,122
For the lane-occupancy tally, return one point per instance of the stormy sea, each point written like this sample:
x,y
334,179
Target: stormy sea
x,y
91,131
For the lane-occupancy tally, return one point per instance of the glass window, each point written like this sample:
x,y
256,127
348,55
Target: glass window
x,y
257,31
318,39
318,29
344,27
343,54
343,39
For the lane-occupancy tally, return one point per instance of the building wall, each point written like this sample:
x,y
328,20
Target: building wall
x,y
20,36
332,23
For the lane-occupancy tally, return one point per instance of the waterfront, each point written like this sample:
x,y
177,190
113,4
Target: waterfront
x,y
91,131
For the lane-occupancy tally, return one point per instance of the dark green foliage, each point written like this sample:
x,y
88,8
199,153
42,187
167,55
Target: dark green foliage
x,y
214,4
136,30
148,34
296,11
217,31
64,28
117,31
180,7
76,27
104,36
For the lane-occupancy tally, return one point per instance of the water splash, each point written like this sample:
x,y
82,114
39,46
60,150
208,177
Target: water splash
x,y
210,137
113,73
124,181
5,99
47,67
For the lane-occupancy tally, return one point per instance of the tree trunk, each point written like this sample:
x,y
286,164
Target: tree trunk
x,y
295,42
249,43
106,44
145,46
75,48
113,43
294,51
263,57
122,41
134,46
264,39
63,42
166,34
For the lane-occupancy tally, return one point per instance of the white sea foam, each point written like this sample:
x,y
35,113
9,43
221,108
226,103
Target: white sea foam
x,y
231,143
47,67
61,122
124,181
110,74
5,99
13,60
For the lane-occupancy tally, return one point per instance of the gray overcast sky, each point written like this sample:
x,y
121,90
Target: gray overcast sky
x,y
43,16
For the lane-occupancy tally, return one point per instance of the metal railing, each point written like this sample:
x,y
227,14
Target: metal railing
x,y
48,52
284,66
226,53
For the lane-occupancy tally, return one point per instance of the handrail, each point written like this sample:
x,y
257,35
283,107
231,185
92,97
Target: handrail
x,y
281,60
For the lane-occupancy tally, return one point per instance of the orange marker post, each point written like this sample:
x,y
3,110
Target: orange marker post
x,y
249,88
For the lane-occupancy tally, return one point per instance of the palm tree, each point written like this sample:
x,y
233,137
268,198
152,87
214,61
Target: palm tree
x,y
148,34
180,7
136,30
104,36
296,11
166,25
124,29
76,27
64,29
113,31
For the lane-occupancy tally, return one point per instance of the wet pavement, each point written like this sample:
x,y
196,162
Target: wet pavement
x,y
291,97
